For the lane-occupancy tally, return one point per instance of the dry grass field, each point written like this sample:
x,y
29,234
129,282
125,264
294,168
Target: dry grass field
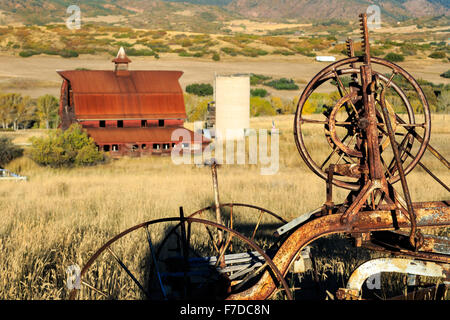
x,y
61,216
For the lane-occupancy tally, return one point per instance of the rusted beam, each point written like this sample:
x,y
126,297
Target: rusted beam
x,y
429,214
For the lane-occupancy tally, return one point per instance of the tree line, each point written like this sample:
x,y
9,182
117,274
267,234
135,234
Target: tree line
x,y
22,112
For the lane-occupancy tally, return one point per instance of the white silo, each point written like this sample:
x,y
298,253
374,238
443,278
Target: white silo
x,y
232,97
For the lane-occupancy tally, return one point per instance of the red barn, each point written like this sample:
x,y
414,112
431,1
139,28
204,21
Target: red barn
x,y
125,112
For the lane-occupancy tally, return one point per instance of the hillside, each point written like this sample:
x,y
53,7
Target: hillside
x,y
208,15
337,9
150,14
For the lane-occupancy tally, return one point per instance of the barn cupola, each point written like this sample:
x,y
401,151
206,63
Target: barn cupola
x,y
121,63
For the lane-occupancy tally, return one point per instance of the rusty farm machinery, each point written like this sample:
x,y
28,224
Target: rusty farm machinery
x,y
375,138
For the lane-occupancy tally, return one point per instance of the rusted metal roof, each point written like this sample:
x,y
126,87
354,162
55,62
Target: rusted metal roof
x,y
139,135
102,95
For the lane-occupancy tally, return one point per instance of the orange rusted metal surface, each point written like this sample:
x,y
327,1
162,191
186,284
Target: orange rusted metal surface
x,y
428,214
100,95
139,135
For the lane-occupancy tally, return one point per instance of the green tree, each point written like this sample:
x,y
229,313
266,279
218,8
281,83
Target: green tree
x,y
200,89
72,147
259,92
22,109
394,57
47,109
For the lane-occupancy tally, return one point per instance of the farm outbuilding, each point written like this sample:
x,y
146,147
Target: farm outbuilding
x,y
232,105
126,112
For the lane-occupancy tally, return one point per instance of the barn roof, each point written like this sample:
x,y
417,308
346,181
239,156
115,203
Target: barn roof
x,y
138,135
103,95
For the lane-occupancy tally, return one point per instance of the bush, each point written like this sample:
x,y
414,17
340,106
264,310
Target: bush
x,y
28,53
261,107
283,84
446,74
200,89
67,148
259,93
8,151
258,79
68,54
230,51
394,57
216,56
438,55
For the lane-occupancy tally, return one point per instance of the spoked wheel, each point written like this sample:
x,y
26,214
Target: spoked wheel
x,y
186,264
342,119
256,223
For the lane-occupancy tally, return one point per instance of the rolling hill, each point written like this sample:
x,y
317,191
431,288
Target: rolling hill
x,y
197,15
337,9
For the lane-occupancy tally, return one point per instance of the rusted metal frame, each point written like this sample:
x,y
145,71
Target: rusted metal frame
x,y
332,127
433,151
352,94
420,164
421,255
130,274
397,265
414,232
429,214
372,129
90,286
434,248
201,211
393,165
155,263
360,200
251,243
365,38
333,152
257,226
429,172
325,75
329,204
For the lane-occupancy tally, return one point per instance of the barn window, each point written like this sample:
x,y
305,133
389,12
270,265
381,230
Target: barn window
x,y
161,123
135,147
115,147
166,146
156,146
143,123
119,123
173,145
102,123
106,148
144,146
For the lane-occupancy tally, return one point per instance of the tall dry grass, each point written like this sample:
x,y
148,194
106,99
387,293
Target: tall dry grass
x,y
61,216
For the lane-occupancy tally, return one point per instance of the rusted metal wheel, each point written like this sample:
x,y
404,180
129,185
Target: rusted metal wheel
x,y
342,119
189,264
256,223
